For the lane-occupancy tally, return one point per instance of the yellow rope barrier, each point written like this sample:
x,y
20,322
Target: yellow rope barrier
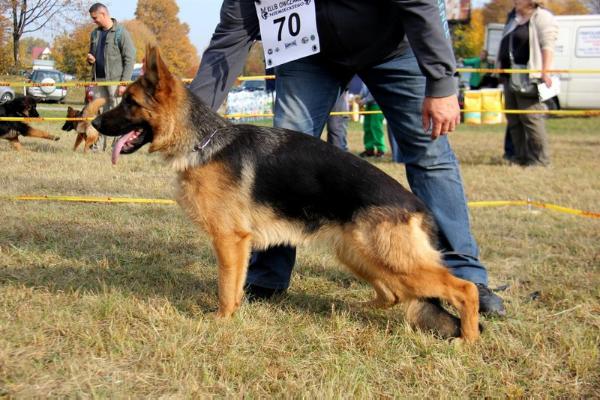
x,y
130,200
267,77
89,199
587,113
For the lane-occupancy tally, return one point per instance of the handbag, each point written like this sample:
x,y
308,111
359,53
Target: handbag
x,y
520,82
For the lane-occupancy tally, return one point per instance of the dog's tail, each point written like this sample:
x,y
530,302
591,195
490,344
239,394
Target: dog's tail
x,y
93,107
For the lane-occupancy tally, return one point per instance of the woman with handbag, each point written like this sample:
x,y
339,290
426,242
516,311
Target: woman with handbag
x,y
527,43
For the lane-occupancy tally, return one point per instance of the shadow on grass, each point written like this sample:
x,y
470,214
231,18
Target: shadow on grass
x,y
71,257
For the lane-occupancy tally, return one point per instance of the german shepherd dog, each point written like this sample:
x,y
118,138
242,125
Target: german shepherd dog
x,y
253,187
10,130
85,131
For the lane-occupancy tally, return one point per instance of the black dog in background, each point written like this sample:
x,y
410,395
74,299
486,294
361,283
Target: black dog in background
x,y
10,130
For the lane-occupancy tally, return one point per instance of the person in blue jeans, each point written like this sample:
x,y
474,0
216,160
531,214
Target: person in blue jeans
x,y
416,92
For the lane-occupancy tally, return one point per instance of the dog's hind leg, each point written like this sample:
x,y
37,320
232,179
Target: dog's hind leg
x,y
397,248
434,281
426,315
37,133
384,297
233,253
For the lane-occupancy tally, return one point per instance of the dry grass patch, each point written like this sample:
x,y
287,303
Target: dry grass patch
x,y
116,300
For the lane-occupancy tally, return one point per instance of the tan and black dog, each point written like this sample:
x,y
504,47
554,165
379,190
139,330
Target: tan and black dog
x,y
252,187
24,107
85,131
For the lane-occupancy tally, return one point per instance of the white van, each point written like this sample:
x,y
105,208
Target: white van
x,y
577,47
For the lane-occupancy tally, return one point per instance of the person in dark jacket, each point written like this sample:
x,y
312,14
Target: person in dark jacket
x,y
413,84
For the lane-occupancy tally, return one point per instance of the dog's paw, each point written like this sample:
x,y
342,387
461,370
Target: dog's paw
x,y
430,316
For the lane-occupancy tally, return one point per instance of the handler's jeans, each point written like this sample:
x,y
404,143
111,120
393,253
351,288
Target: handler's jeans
x,y
307,90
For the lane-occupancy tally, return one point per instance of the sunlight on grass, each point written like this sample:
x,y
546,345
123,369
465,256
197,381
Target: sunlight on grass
x,y
116,300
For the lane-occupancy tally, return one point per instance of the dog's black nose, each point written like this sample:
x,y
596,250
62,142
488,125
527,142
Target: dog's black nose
x,y
97,123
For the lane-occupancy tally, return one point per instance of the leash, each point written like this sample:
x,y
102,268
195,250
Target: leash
x,y
200,146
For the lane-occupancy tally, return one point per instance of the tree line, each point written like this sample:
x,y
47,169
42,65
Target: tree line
x,y
156,22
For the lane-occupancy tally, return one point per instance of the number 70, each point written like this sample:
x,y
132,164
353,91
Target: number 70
x,y
293,25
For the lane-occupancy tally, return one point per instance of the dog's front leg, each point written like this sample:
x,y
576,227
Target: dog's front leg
x,y
233,252
16,144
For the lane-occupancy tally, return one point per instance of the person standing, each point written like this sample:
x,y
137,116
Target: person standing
x,y
476,78
416,94
111,55
374,135
337,125
528,40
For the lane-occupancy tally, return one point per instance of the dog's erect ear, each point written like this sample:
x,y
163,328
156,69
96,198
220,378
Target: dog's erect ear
x,y
70,109
156,74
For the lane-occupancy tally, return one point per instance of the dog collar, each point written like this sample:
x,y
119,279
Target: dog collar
x,y
200,146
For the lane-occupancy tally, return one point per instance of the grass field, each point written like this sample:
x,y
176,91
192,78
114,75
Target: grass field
x,y
116,301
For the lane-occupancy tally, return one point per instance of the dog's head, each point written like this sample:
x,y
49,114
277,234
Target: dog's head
x,y
71,125
148,112
22,107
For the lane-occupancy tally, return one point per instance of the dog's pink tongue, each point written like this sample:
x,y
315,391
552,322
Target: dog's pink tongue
x,y
119,145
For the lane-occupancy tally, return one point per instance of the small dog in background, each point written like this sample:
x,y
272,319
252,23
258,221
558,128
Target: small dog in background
x,y
85,131
24,107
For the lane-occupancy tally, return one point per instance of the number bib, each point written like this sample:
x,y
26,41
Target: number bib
x,y
288,29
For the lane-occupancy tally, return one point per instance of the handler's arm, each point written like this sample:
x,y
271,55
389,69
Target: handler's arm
x,y
426,27
225,56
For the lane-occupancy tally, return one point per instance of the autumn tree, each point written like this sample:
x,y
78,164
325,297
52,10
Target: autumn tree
x,y
567,7
497,10
26,46
172,35
4,45
255,63
141,36
468,39
70,50
29,16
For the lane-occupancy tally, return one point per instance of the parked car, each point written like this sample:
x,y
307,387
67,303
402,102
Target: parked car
x,y
51,92
6,94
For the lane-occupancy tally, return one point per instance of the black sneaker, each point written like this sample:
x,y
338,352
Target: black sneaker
x,y
367,153
258,293
490,303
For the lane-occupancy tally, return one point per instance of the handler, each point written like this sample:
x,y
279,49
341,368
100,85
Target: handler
x,y
416,94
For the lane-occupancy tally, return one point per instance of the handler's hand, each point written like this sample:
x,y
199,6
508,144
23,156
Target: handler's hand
x,y
90,58
441,114
120,90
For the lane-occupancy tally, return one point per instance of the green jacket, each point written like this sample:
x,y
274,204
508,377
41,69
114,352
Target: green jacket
x,y
476,77
119,57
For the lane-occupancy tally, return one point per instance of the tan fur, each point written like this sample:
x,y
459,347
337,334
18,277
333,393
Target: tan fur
x,y
85,131
387,247
13,138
